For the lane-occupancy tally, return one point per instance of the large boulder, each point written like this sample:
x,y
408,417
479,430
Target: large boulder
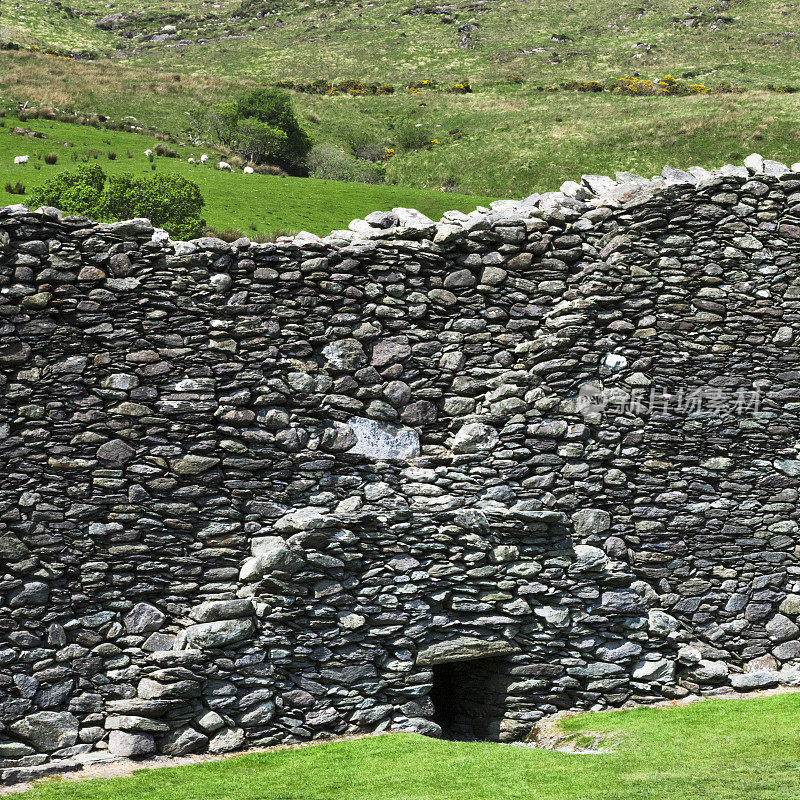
x,y
47,731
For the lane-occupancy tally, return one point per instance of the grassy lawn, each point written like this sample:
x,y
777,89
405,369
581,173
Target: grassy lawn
x,y
255,204
715,750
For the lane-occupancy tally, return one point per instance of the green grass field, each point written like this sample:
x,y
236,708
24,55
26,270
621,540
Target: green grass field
x,y
255,204
714,750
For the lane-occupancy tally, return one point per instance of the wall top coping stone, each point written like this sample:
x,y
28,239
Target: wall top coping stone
x,y
592,199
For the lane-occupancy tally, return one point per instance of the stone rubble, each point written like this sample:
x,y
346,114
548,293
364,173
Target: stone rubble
x,y
255,494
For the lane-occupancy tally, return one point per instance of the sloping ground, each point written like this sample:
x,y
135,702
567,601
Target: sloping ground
x,y
720,749
255,204
506,139
403,40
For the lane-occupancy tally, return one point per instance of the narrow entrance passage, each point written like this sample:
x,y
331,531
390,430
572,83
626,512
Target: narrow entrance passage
x,y
469,698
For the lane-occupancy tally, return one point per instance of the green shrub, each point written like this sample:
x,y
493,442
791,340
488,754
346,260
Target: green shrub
x,y
169,202
15,188
331,163
78,192
51,158
365,145
166,152
413,136
460,88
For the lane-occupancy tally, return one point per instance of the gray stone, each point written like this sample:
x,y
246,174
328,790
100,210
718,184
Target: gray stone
x,y
33,593
390,351
132,723
463,648
215,610
661,670
790,605
226,740
193,464
588,559
9,750
130,745
217,634
270,554
47,731
345,354
787,651
747,681
781,628
210,721
707,671
588,521
144,618
28,774
475,437
382,441
661,623
259,716
116,452
183,741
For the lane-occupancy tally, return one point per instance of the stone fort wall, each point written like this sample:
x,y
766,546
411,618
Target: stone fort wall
x,y
442,477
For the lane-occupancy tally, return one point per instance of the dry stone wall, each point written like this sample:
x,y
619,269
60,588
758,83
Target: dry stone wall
x,y
411,476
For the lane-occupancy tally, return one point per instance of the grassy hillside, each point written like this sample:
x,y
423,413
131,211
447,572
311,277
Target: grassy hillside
x,y
747,41
541,40
155,60
715,750
255,204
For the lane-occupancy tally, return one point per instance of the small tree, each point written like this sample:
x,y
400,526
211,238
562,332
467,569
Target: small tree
x,y
261,126
260,142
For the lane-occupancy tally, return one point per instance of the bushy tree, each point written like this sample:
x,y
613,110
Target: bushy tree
x,y
260,142
273,107
168,201
261,126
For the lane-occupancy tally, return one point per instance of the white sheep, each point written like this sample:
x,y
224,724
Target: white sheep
x,y
149,154
225,165
20,159
248,170
203,158
192,161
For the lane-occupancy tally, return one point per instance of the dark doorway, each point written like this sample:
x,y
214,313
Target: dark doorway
x,y
469,698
